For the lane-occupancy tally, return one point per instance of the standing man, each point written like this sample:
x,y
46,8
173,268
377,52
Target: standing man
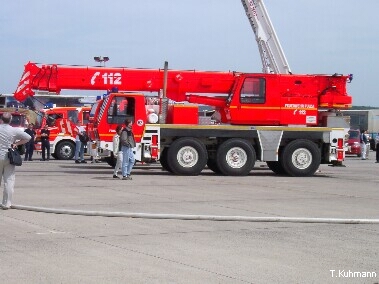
x,y
79,146
29,147
117,150
368,145
127,144
363,140
45,134
10,137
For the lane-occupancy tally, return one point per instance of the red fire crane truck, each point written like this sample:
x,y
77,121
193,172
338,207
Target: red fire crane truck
x,y
267,117
270,117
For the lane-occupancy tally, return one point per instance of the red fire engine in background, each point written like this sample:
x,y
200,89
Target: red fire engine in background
x,y
274,116
62,122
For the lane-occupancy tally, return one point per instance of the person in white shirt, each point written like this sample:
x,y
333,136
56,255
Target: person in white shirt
x,y
363,139
79,146
117,150
368,146
9,137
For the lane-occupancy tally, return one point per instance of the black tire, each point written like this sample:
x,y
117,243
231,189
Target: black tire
x,y
163,159
301,158
112,160
212,165
187,156
65,150
276,167
236,157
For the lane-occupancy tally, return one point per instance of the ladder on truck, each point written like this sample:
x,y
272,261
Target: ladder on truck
x,y
271,52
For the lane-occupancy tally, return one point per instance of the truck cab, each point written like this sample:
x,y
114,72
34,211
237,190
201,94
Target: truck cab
x,y
112,110
19,120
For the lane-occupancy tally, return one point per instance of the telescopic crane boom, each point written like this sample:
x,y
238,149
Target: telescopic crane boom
x,y
54,78
270,50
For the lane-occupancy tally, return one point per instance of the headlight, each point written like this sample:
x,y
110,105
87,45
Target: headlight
x,y
152,118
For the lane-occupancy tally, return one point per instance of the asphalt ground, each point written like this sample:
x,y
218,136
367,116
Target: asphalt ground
x,y
37,247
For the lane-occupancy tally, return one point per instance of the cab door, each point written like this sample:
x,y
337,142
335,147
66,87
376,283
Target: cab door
x,y
250,105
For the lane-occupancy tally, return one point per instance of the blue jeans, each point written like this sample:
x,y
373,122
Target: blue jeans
x,y
127,160
79,150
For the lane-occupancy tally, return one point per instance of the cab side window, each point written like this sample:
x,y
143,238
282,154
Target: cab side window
x,y
253,91
51,118
85,117
120,109
73,115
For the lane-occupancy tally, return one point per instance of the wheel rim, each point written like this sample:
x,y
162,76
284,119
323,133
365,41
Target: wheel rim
x,y
187,157
302,158
236,157
65,151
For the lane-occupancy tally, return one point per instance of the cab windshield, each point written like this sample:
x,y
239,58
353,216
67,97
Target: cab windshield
x,y
17,120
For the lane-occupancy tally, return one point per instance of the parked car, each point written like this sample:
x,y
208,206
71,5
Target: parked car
x,y
353,143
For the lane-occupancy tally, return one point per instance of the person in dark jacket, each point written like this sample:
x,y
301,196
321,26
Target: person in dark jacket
x,y
127,145
363,139
45,134
29,147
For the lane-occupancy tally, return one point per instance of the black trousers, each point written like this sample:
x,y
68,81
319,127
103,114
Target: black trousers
x,y
29,148
45,146
377,152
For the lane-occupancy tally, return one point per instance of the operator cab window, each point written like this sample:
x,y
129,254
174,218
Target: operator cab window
x,y
16,121
253,91
51,118
121,108
85,117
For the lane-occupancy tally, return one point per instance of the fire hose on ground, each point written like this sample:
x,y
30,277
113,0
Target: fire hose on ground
x,y
197,217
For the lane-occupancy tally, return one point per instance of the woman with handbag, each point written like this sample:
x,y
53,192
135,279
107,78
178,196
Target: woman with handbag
x,y
10,137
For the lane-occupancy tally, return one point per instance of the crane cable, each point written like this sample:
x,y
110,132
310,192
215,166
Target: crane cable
x,y
197,217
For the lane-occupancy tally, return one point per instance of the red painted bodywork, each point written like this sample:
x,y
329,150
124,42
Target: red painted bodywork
x,y
239,98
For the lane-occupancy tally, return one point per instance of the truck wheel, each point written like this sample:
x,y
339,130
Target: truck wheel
x,y
187,156
301,158
276,167
236,157
163,159
65,150
111,161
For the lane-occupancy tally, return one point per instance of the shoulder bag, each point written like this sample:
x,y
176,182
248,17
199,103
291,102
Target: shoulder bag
x,y
14,157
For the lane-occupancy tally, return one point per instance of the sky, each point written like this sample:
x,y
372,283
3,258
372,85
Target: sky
x,y
317,36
